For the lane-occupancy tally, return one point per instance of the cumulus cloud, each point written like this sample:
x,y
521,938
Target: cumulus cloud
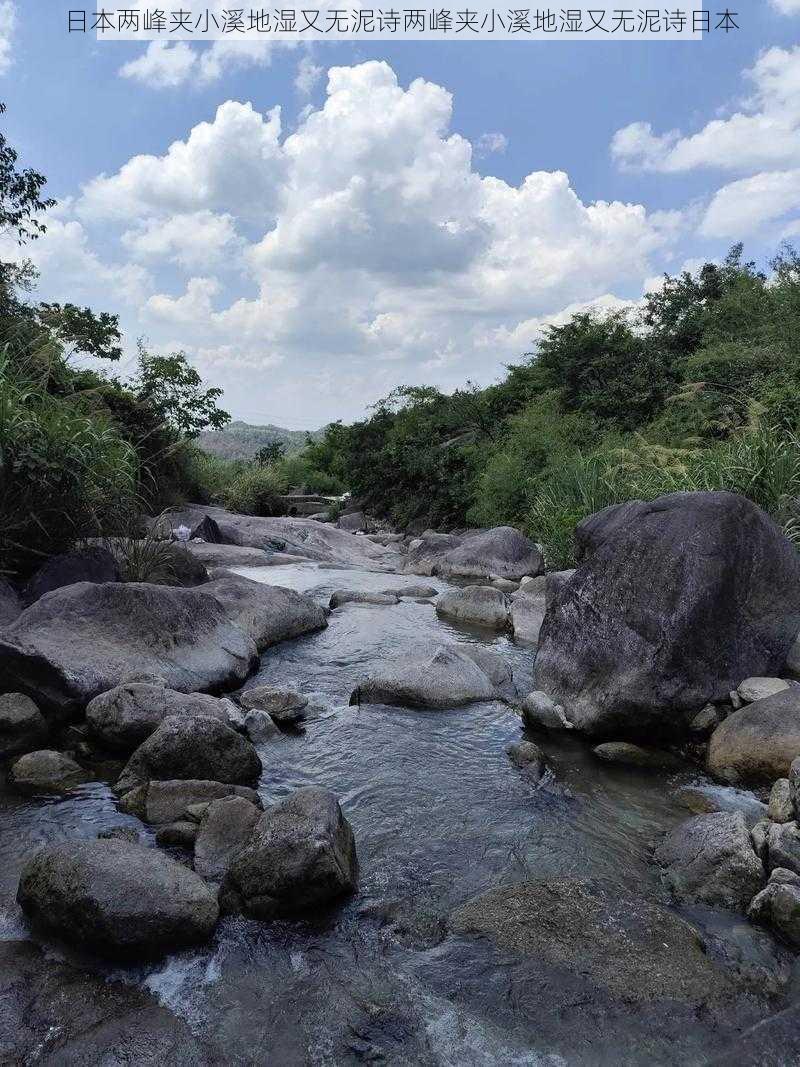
x,y
490,143
787,7
166,65
196,239
8,22
308,75
743,207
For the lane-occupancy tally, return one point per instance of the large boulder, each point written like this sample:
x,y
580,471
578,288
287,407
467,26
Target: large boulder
x,y
782,847
125,716
301,855
46,771
354,522
284,705
676,601
185,524
758,742
10,603
117,897
192,747
81,640
477,605
217,556
22,725
444,676
709,859
225,828
94,563
778,906
527,615
159,802
501,552
426,551
340,597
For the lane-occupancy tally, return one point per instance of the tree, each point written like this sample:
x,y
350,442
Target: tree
x,y
20,199
174,389
270,454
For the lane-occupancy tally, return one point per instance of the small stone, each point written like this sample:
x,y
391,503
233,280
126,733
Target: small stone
x,y
416,592
634,755
758,837
542,713
195,812
778,906
284,705
736,700
259,726
121,833
783,846
505,585
781,806
705,722
180,834
528,757
784,876
46,771
752,689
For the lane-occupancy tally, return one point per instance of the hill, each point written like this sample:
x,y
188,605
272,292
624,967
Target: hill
x,y
241,440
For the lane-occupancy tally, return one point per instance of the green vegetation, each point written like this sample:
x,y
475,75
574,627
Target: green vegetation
x,y
240,440
696,389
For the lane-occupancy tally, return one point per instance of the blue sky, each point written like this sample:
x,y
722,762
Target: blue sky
x,y
420,217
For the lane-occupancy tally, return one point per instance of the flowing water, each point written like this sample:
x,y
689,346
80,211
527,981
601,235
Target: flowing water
x,y
440,815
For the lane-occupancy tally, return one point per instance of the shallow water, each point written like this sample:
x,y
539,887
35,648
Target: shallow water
x,y
439,815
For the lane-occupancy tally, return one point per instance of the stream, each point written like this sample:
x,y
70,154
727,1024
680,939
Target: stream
x,y
439,815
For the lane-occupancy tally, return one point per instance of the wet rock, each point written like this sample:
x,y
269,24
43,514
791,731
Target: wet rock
x,y
709,859
634,755
127,715
783,847
190,748
269,614
90,564
527,756
46,771
10,603
527,616
628,945
285,706
168,801
478,605
781,805
705,798
180,834
752,689
356,596
494,666
438,677
778,906
539,712
705,722
117,897
735,700
22,726
758,742
300,856
502,552
260,727
121,833
416,592
645,633
225,828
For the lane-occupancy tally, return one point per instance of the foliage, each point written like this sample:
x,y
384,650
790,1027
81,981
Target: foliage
x,y
271,453
172,388
21,202
241,441
254,491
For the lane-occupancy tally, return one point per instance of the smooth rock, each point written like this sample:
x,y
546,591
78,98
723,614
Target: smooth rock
x,y
443,676
169,801
783,847
709,859
259,726
541,713
301,855
527,616
217,556
505,585
711,797
533,585
644,632
46,771
284,705
781,805
355,596
494,666
502,552
752,689
354,522
117,897
22,725
778,906
191,748
631,755
477,605
225,828
415,592
758,742
527,756
180,834
705,722
91,564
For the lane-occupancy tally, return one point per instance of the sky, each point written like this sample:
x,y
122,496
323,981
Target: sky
x,y
316,224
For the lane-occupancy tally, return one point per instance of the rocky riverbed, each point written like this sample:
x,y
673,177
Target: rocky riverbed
x,y
478,891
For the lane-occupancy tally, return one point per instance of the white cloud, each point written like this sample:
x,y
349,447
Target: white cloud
x,y
491,143
787,7
8,23
741,208
162,65
196,304
197,239
308,74
764,133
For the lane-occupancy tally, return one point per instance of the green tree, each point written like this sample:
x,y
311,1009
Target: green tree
x,y
270,454
172,388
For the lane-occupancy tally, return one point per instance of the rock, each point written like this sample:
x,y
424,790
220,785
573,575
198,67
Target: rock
x,y
541,713
533,585
260,727
180,834
783,847
91,564
354,522
772,1042
22,726
300,856
644,632
781,805
356,596
225,828
185,568
477,605
214,555
283,705
416,592
735,699
630,755
794,785
46,771
704,798
117,898
128,714
505,585
527,616
758,837
705,722
752,689
121,833
502,552
440,677
425,553
626,944
778,906
494,666
196,522
190,748
528,757
10,603
758,742
709,859
81,640
169,801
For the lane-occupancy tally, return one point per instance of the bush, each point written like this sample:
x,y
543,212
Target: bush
x,y
255,491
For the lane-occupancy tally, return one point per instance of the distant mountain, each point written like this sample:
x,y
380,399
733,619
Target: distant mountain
x,y
240,440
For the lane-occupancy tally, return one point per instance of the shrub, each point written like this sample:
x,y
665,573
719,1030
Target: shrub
x,y
254,491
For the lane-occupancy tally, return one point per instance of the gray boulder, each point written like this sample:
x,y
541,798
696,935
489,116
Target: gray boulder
x,y
709,859
357,596
159,802
758,742
46,771
90,564
501,552
268,613
189,748
705,722
539,712
630,755
527,757
301,855
353,522
285,706
194,520
527,616
225,828
223,556
781,804
425,552
125,716
778,906
644,633
700,799
495,667
476,605
179,834
10,603
22,726
416,592
438,677
259,726
117,897
783,847
752,689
